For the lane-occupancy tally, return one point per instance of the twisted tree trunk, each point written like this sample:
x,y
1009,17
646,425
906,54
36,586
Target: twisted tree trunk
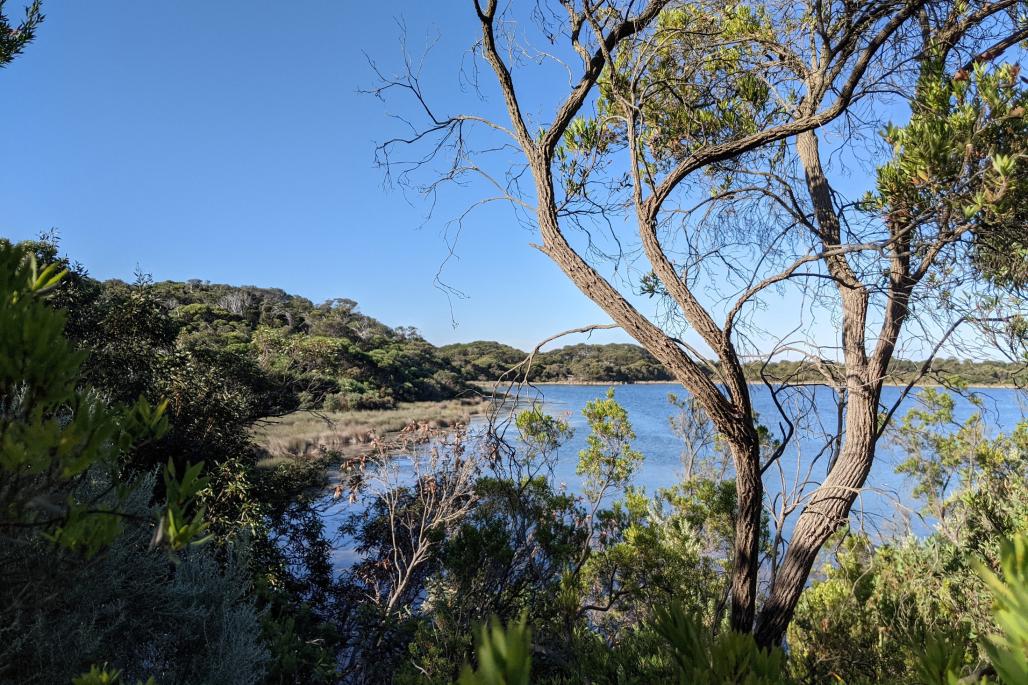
x,y
828,509
830,504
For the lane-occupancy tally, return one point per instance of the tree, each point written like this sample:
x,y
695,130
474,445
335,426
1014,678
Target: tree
x,y
73,514
877,607
14,38
691,134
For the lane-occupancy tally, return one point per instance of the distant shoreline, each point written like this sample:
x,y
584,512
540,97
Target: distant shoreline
x,y
489,384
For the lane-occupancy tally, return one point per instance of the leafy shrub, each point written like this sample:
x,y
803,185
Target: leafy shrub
x,y
87,572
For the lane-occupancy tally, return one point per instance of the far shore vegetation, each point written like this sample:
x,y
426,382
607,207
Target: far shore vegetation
x,y
626,363
334,379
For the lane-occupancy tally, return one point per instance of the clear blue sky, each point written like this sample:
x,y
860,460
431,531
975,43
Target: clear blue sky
x,y
227,141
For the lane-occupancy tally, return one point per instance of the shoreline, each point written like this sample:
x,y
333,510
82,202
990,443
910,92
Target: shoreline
x,y
490,384
308,433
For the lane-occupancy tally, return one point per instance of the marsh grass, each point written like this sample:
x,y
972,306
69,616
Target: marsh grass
x,y
312,434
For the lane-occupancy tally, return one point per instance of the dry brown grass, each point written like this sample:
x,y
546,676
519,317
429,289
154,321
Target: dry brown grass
x,y
304,434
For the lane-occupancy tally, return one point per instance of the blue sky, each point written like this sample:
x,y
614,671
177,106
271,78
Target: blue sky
x,y
227,141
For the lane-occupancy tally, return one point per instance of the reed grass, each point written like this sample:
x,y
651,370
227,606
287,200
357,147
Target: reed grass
x,y
307,434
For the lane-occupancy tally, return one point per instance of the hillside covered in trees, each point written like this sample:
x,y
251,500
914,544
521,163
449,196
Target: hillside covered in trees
x,y
330,355
326,356
614,363
333,357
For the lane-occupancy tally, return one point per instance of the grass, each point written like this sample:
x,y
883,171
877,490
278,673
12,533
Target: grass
x,y
310,434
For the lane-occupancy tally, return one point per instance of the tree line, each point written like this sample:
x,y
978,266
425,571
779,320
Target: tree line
x,y
628,363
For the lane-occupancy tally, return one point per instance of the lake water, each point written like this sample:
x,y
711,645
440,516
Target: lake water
x,y
887,494
882,509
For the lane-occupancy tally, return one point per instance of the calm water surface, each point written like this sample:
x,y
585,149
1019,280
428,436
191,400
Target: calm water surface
x,y
649,411
883,508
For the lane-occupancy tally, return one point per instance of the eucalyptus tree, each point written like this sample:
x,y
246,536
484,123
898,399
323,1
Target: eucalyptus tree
x,y
14,37
686,160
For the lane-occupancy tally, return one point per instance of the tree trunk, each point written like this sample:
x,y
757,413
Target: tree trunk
x,y
733,421
830,504
828,509
750,502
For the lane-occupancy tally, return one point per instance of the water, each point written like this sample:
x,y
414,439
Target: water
x,y
884,507
886,501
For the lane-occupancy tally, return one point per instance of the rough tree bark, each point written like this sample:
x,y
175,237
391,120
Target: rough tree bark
x,y
830,504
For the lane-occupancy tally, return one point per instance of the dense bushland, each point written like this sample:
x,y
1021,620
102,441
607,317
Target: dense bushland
x,y
469,538
144,537
99,563
620,585
213,572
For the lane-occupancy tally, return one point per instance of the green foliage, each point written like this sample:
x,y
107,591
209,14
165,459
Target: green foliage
x,y
674,546
176,529
1008,647
259,351
188,622
195,624
626,363
482,360
14,38
507,558
949,461
294,578
541,434
867,620
84,553
608,461
876,608
941,660
696,656
329,355
301,647
727,658
943,370
966,479
105,675
54,436
614,363
208,396
689,655
958,156
504,656
587,573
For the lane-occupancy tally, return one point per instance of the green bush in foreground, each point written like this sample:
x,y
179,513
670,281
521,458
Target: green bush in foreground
x,y
93,572
697,658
